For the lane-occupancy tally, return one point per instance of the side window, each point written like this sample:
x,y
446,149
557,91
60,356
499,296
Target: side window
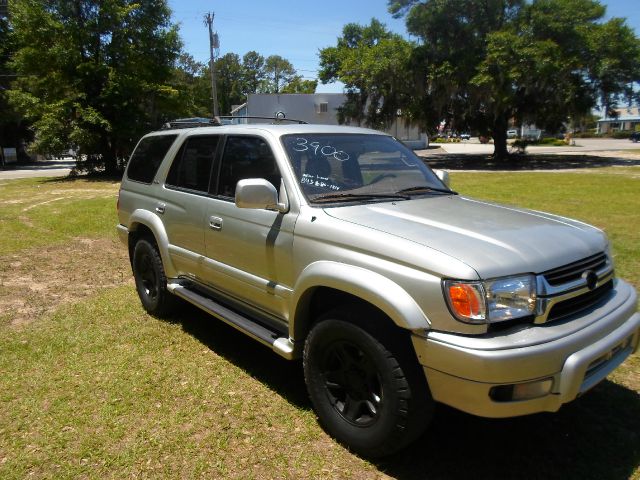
x,y
246,157
191,169
148,156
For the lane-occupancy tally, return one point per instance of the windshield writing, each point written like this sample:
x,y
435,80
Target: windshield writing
x,y
357,164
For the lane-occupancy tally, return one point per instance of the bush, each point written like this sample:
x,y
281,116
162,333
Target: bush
x,y
588,134
554,142
621,134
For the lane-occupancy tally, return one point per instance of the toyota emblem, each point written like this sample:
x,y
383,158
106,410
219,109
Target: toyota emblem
x,y
591,278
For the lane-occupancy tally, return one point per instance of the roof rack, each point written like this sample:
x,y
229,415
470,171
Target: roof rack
x,y
219,121
191,123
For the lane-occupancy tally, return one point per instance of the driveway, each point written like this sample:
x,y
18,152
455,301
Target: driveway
x,y
583,146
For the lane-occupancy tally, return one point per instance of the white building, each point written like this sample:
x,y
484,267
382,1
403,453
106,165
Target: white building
x,y
318,108
627,119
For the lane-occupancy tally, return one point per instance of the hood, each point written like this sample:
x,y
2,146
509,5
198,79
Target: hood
x,y
494,240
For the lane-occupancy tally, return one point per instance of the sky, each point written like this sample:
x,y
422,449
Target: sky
x,y
298,29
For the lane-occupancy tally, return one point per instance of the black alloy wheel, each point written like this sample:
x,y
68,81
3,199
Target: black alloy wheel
x,y
371,397
353,384
151,281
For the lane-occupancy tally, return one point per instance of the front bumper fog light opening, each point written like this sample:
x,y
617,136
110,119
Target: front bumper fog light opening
x,y
521,391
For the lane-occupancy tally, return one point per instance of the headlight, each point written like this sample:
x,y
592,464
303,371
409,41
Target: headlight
x,y
492,300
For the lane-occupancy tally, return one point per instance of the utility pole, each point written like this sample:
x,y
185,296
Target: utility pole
x,y
214,44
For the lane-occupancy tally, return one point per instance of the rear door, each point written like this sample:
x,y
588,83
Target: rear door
x,y
185,200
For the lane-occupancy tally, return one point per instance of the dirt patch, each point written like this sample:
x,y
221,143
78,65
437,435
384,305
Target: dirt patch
x,y
36,282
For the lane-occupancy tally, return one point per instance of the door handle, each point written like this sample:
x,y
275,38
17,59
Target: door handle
x,y
161,207
215,223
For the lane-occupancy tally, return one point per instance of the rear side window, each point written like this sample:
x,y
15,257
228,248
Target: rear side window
x,y
191,168
148,156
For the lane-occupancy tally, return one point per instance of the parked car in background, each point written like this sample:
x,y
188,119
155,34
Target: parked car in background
x,y
465,136
635,137
512,133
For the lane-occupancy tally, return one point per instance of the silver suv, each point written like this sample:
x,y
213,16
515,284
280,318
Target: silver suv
x,y
339,246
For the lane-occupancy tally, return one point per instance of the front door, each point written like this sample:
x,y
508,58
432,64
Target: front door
x,y
248,250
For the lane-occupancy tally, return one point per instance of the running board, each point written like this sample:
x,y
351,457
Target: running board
x,y
281,345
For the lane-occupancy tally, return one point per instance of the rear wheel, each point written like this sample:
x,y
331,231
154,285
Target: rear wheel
x,y
151,281
368,398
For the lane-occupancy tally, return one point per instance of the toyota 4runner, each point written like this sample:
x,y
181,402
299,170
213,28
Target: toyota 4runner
x,y
339,246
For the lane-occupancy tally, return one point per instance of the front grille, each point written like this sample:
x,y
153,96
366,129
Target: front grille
x,y
573,271
577,304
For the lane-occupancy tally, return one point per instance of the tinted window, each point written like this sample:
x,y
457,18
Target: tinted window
x,y
148,156
246,157
191,168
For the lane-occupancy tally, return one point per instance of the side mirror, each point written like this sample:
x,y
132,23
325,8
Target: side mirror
x,y
257,193
443,175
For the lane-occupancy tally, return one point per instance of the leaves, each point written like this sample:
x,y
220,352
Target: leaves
x,y
373,63
106,69
482,63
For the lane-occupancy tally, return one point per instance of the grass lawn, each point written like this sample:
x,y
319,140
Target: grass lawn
x,y
93,387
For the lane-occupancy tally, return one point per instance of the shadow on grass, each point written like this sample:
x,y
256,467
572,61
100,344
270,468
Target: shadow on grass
x,y
282,376
93,178
525,162
597,436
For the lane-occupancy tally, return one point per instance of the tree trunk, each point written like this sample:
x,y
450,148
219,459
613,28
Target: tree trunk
x,y
500,152
110,161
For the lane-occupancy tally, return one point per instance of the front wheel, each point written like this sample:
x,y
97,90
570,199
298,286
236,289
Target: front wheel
x,y
363,396
151,281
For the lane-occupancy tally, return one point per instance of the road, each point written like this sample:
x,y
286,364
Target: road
x,y
44,168
583,146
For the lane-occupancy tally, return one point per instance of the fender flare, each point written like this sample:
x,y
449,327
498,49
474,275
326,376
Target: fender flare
x,y
153,223
369,286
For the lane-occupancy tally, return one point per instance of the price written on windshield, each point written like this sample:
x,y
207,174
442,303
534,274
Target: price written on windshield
x,y
303,145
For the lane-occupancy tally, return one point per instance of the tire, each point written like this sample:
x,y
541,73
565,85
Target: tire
x,y
151,281
364,395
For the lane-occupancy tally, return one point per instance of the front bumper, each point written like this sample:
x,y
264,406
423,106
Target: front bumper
x,y
462,371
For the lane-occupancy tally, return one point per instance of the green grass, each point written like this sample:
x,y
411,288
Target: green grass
x,y
93,387
38,212
607,198
102,390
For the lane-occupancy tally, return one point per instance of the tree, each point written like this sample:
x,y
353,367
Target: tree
x,y
230,75
482,63
299,85
190,79
12,128
105,77
278,72
253,64
373,63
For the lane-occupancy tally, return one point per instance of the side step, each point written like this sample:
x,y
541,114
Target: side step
x,y
281,345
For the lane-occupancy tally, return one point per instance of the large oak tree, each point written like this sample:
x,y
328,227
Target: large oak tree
x,y
480,64
483,63
93,73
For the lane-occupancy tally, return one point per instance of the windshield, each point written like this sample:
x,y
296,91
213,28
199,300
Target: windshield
x,y
358,167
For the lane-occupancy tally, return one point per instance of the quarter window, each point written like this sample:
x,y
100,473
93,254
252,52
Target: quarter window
x,y
191,168
148,156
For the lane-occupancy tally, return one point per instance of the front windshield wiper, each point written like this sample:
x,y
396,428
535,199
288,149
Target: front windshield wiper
x,y
337,197
425,188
